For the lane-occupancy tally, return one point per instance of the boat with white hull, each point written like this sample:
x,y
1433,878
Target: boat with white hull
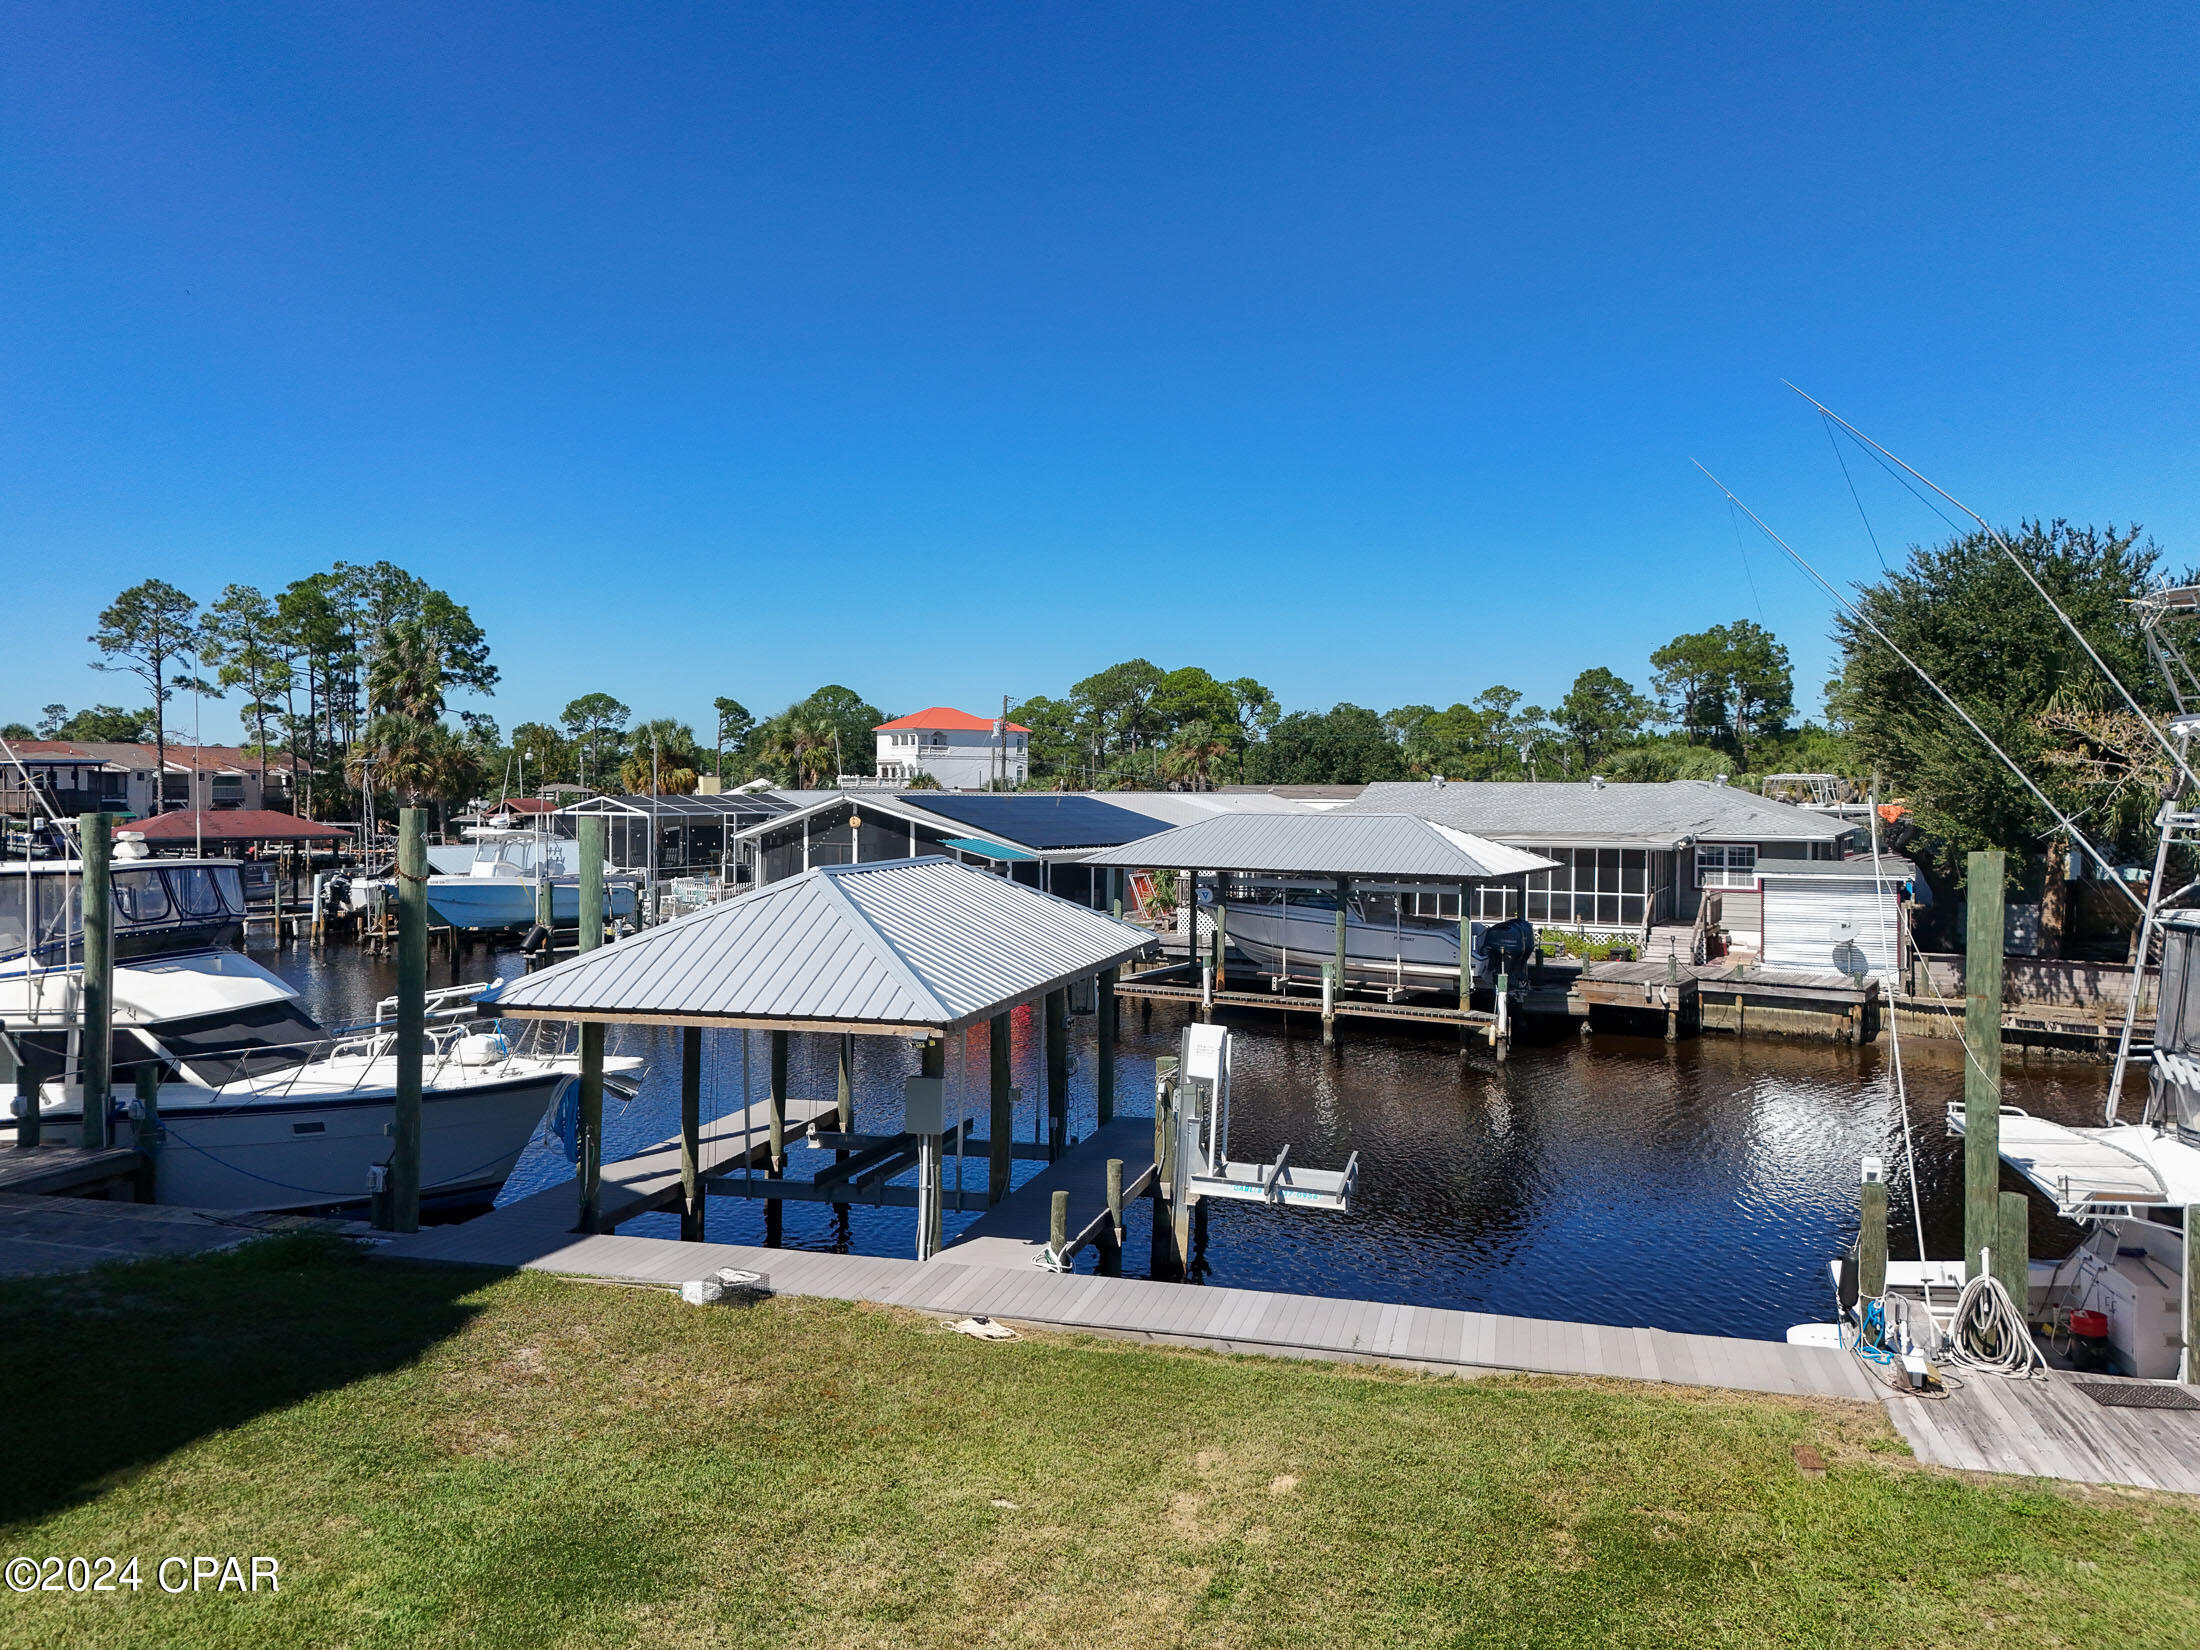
x,y
1293,931
498,887
258,1107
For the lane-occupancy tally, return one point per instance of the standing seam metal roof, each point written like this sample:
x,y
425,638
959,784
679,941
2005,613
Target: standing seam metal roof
x,y
1666,811
1332,844
895,944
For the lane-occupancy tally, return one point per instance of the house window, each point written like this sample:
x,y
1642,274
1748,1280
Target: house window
x,y
1726,865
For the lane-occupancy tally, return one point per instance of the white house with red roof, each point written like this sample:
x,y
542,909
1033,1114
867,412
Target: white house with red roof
x,y
963,752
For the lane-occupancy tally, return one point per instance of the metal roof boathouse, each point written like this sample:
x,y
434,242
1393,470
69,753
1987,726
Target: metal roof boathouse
x,y
1385,902
915,949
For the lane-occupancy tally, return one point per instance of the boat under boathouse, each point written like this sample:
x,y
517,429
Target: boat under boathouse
x,y
1332,902
919,950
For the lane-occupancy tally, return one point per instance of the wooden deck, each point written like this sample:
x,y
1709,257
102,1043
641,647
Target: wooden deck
x,y
2050,1429
1014,1231
1179,983
72,1171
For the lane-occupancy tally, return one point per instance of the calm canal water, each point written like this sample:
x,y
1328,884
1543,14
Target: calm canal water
x,y
1619,1180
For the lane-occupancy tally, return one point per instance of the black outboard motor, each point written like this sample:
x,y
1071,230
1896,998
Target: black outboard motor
x,y
1504,947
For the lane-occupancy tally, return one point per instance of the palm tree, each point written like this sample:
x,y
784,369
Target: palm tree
x,y
405,671
1192,758
417,759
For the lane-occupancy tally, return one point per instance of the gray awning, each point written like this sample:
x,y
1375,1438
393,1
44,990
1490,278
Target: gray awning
x,y
1327,845
898,947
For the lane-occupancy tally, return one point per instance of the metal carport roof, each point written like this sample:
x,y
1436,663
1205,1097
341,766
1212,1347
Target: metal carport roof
x,y
1327,845
897,947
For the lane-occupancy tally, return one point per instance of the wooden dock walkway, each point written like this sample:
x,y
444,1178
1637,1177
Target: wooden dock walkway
x,y
1014,1231
2052,1429
73,1171
1178,983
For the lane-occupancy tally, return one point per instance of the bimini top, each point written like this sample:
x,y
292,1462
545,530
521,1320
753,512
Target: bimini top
x,y
897,947
1327,845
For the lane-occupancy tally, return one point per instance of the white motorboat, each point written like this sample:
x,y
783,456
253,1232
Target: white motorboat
x,y
258,1106
498,888
1291,931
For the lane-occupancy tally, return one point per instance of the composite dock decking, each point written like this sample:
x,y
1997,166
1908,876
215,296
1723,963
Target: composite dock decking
x,y
2049,1430
1014,1231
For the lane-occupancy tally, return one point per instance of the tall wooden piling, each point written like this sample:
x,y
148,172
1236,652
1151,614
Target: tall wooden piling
x,y
148,1136
412,1015
691,1130
1057,1072
589,1133
546,913
2192,1294
844,1082
1982,1062
2013,1246
1222,937
778,1103
1168,1246
27,1130
1058,1227
1871,1239
933,1167
1115,1196
96,1041
1001,1124
1466,952
1104,1053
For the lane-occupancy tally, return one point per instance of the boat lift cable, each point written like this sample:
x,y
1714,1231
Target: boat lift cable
x,y
2162,739
1865,619
1894,1044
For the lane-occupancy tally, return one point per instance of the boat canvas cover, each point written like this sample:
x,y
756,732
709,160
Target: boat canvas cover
x,y
2097,1169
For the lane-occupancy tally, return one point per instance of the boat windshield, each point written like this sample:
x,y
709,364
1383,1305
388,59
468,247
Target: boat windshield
x,y
46,908
220,1048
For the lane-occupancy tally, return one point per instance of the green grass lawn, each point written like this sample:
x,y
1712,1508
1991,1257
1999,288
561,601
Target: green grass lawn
x,y
443,1457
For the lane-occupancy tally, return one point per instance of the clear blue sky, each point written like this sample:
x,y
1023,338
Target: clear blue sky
x,y
950,352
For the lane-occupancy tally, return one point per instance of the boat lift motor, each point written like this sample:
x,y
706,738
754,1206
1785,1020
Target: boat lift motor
x,y
1203,1140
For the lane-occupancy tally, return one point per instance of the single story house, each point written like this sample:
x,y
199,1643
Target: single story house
x,y
1631,856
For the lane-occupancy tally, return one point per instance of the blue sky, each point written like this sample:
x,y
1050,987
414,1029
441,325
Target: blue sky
x,y
954,352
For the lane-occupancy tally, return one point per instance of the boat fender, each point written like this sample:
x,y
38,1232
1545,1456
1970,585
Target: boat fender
x,y
537,940
483,1048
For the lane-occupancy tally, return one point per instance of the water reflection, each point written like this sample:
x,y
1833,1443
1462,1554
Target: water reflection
x,y
1697,1186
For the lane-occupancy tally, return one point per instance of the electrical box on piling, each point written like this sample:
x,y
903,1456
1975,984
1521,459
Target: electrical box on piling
x,y
1203,1159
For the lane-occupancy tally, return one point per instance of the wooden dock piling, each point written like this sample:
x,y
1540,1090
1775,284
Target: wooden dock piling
x,y
1057,1036
2192,1294
412,1016
95,1045
1982,1062
691,1128
2013,1245
1001,1124
778,1102
1115,1196
1871,1239
1058,1227
589,1170
1168,1248
1104,1019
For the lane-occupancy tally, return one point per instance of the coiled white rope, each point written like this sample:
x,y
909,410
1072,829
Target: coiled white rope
x,y
1989,1333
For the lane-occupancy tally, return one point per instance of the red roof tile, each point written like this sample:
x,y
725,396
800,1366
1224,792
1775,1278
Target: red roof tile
x,y
940,718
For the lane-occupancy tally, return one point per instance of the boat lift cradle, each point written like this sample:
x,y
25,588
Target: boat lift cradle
x,y
1203,1164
